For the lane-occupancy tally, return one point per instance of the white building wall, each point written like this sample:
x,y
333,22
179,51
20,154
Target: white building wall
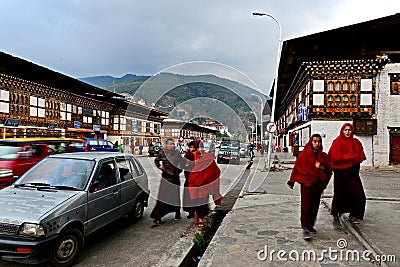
x,y
387,113
329,130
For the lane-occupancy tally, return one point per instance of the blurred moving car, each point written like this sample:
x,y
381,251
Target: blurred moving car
x,y
17,155
154,148
244,150
63,199
229,152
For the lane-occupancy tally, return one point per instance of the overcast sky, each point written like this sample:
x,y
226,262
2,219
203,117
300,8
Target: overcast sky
x,y
82,38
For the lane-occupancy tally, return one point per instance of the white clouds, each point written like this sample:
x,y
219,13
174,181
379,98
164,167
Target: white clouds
x,y
94,37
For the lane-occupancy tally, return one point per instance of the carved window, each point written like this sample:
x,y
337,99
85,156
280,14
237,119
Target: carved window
x,y
345,86
337,86
330,86
353,100
345,99
353,87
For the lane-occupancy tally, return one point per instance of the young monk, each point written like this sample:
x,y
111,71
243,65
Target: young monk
x,y
312,171
346,154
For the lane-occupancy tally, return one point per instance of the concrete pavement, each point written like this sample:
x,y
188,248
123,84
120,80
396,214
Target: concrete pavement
x,y
262,224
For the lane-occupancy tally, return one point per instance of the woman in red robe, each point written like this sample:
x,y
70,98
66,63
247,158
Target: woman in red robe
x,y
203,180
346,154
312,171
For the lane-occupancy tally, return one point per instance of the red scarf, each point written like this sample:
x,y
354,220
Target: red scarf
x,y
304,170
346,151
204,178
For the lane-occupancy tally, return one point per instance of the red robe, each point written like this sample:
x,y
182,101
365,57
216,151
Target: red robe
x,y
305,172
346,151
203,179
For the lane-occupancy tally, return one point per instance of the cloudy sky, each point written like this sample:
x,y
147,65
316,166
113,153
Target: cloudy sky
x,y
82,38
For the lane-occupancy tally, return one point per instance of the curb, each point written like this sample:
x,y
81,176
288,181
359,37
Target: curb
x,y
365,241
181,253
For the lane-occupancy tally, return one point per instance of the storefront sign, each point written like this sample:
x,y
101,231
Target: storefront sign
x,y
12,122
96,128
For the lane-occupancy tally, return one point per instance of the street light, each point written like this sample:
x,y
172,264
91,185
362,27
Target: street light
x,y
261,116
255,115
260,14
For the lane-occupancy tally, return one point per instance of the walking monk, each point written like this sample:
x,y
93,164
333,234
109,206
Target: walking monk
x,y
347,153
312,171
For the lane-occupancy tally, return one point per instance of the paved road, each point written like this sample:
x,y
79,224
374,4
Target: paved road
x,y
122,244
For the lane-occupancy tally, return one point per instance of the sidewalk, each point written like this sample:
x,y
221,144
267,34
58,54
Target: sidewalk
x,y
260,225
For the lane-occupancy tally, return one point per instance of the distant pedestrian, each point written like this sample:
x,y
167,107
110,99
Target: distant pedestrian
x,y
187,204
312,170
133,147
203,181
171,163
346,154
251,150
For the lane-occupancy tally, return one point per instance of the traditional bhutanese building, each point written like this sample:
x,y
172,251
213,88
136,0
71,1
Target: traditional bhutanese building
x,y
349,74
36,101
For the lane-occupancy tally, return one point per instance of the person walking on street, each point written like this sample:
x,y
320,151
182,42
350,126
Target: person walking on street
x,y
346,154
171,163
312,170
203,180
187,205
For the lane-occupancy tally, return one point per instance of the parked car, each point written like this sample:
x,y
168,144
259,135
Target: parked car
x,y
154,148
209,147
244,150
47,213
17,155
229,152
96,144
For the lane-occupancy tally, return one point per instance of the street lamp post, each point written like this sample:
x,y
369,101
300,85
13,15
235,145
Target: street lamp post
x,y
255,115
261,116
260,14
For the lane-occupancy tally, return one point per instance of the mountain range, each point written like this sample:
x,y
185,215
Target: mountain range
x,y
169,92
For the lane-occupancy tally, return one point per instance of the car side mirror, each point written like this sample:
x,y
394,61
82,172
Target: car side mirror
x,y
15,178
93,186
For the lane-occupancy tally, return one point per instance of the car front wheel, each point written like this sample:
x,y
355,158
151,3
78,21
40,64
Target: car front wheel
x,y
67,248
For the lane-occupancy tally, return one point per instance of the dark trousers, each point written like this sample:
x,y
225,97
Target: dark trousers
x,y
348,193
310,198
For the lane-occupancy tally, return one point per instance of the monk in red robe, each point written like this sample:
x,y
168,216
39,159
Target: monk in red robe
x,y
346,154
203,180
312,171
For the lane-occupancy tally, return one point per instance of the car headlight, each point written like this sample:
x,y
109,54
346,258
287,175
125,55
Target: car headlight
x,y
6,173
32,229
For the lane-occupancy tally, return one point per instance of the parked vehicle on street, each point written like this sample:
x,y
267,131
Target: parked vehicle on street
x,y
229,152
47,213
154,148
17,155
96,144
244,150
209,147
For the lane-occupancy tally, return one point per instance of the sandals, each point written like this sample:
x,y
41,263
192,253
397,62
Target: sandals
x,y
196,219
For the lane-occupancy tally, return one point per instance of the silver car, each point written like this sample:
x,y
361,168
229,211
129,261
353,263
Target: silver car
x,y
47,213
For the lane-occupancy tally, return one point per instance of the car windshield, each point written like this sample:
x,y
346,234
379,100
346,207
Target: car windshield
x,y
9,152
59,173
